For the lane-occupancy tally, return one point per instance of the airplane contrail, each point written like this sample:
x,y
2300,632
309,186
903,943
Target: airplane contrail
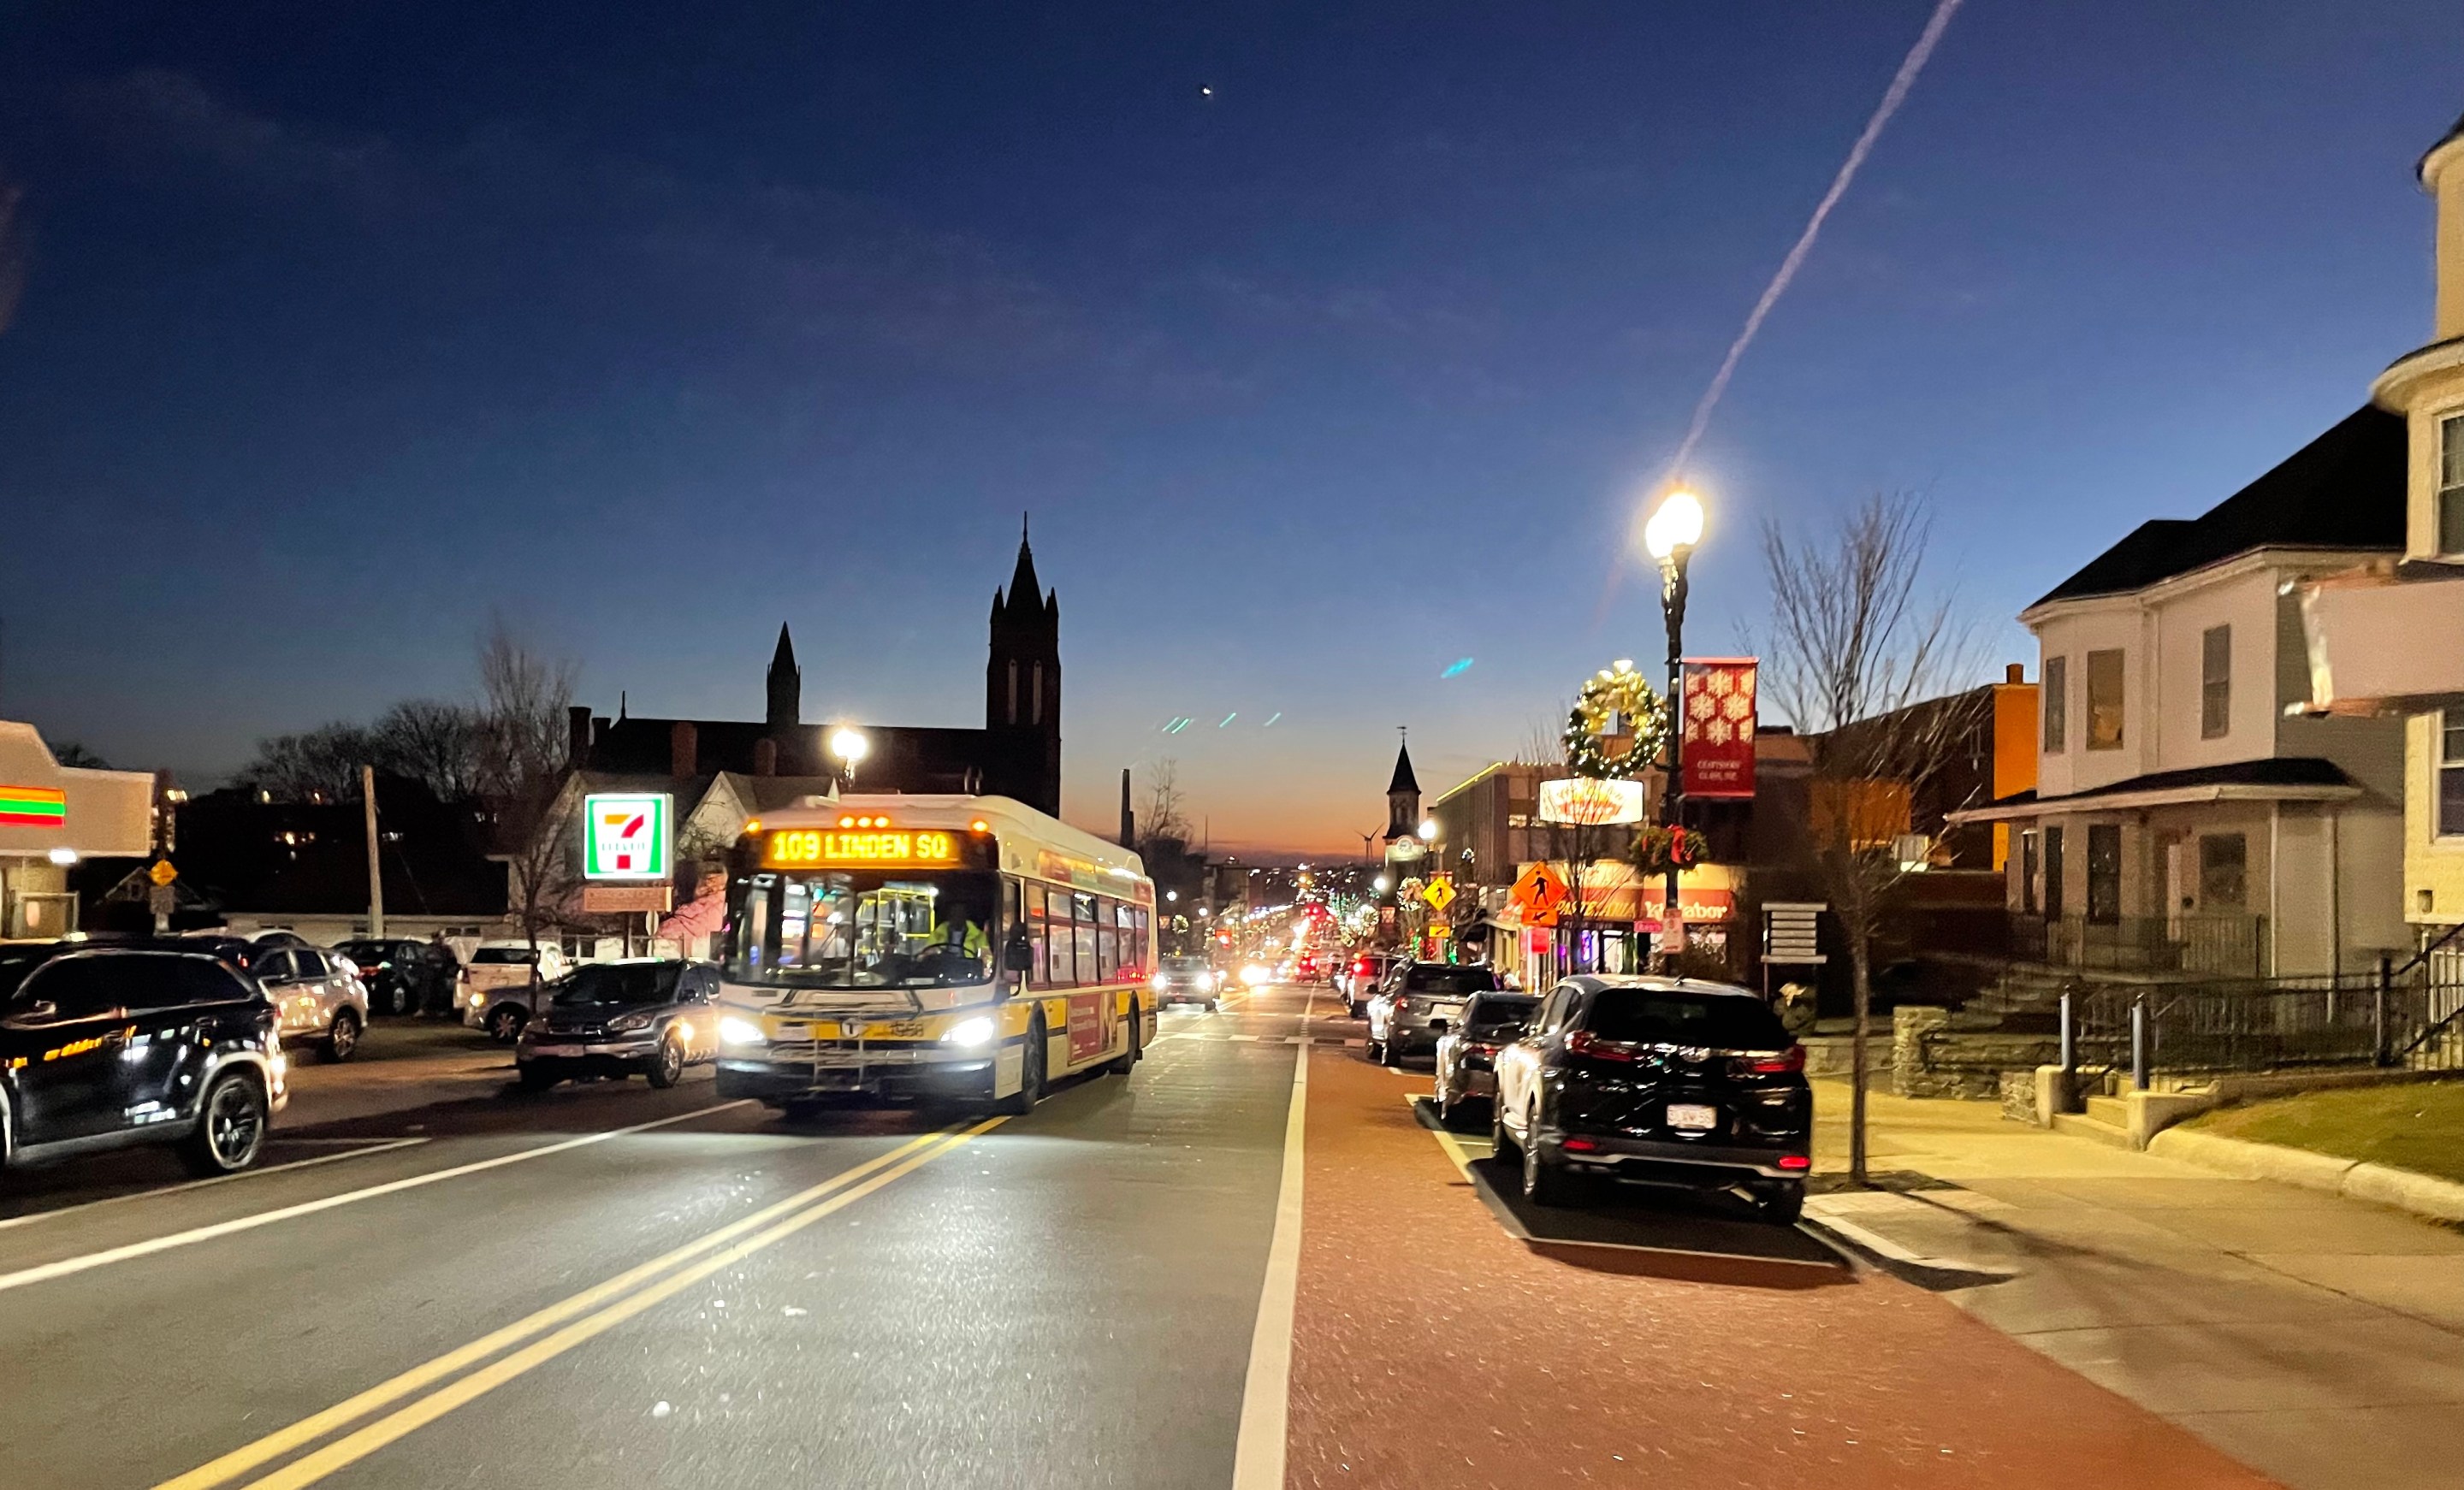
x,y
1892,98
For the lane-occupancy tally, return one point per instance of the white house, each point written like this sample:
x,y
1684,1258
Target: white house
x,y
2182,821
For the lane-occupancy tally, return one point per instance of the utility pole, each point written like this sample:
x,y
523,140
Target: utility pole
x,y
376,873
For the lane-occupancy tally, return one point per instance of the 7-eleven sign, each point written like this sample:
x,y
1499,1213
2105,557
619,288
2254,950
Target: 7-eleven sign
x,y
625,836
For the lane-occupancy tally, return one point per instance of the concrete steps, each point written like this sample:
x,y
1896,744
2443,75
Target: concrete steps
x,y
2083,1125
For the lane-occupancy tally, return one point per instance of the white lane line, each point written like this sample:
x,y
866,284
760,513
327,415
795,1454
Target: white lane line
x,y
66,1266
1267,1395
366,1147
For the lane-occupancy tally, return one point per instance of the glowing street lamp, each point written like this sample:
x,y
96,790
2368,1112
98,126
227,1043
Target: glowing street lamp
x,y
850,747
1674,528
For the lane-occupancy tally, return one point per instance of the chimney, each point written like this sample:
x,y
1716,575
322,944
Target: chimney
x,y
1129,820
684,750
577,736
2016,672
765,756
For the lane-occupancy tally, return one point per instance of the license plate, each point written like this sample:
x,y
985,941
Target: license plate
x,y
1692,1116
559,1050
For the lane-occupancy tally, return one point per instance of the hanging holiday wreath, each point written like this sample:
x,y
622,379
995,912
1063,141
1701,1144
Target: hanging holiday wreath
x,y
1657,850
1615,699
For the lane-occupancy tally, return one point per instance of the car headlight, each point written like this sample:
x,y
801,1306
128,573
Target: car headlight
x,y
478,996
733,1031
627,1023
969,1032
1158,982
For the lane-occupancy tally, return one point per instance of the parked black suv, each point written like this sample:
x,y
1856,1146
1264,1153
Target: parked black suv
x,y
392,967
1662,1079
106,1048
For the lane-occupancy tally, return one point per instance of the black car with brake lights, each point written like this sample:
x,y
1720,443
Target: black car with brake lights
x,y
1665,1081
108,1048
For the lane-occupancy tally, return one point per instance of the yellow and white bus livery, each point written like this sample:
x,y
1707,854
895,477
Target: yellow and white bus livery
x,y
935,948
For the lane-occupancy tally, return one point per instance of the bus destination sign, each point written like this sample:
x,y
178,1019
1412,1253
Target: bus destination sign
x,y
847,848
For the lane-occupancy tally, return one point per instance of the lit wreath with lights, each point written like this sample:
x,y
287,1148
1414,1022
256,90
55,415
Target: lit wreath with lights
x,y
1608,695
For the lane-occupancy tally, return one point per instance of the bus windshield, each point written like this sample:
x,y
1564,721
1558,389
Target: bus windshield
x,y
840,928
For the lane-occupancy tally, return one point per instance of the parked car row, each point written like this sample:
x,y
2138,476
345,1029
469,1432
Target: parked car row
x,y
1658,1080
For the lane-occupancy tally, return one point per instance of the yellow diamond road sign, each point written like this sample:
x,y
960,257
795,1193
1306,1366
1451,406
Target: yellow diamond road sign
x,y
1439,894
162,873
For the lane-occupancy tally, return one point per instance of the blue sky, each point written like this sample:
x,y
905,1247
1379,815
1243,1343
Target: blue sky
x,y
345,325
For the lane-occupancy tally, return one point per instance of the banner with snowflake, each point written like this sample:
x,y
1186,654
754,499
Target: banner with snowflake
x,y
1719,733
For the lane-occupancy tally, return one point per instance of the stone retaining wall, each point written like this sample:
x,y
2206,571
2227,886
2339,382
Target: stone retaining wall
x,y
1929,1059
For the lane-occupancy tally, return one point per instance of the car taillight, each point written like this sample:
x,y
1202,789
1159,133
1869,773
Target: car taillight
x,y
1788,1061
1586,1145
1583,1043
1794,1161
1478,1048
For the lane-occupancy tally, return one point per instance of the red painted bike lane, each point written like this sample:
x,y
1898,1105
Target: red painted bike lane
x,y
1431,1349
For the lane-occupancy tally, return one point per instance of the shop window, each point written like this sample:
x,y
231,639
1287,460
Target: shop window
x,y
2451,484
2053,872
2224,869
2215,682
2105,872
2105,700
2450,773
2056,695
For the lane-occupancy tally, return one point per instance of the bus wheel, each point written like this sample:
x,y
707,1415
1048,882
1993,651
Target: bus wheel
x,y
1129,1056
1030,1074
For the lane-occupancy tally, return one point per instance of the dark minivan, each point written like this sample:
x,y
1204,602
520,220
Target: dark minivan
x,y
1668,1081
108,1048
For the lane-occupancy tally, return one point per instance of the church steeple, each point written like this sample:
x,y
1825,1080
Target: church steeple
x,y
786,685
1402,798
1022,674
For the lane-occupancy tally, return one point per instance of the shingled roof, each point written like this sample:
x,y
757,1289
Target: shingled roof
x,y
2345,489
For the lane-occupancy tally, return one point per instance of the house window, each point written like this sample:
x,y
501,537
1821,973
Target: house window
x,y
2105,872
2451,484
2215,682
2105,700
2053,874
2451,774
2224,865
2030,864
2057,701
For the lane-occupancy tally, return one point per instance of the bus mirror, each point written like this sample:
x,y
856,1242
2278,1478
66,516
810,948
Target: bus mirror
x,y
1018,956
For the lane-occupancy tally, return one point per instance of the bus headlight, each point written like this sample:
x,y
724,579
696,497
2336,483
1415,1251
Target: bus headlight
x,y
733,1031
971,1033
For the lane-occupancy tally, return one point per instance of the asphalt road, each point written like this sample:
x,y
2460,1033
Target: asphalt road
x,y
537,1290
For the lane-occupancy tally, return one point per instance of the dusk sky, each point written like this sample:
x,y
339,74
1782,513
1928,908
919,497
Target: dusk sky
x,y
343,326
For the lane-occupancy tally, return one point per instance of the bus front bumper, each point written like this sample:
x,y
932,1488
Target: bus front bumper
x,y
887,1071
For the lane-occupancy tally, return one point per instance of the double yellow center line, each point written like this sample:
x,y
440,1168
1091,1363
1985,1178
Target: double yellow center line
x,y
553,1331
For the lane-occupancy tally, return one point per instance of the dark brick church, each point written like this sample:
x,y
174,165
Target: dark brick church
x,y
1017,754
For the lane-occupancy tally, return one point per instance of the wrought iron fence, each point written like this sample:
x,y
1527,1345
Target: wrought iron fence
x,y
2399,1016
2210,946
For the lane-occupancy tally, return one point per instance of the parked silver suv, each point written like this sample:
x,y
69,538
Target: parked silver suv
x,y
317,997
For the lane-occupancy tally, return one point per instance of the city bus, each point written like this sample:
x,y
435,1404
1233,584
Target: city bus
x,y
929,947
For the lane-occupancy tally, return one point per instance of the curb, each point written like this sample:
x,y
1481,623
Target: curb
x,y
2419,1194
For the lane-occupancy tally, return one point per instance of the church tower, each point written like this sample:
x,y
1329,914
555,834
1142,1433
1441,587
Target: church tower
x,y
1023,678
1402,799
786,687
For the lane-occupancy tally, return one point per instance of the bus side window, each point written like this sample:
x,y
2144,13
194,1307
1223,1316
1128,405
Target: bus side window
x,y
1108,939
1146,952
1060,966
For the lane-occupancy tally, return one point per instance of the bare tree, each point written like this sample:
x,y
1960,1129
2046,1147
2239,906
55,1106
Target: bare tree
x,y
1865,666
439,744
319,765
1166,813
521,728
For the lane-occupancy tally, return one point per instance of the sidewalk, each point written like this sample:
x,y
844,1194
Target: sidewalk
x,y
2316,1338
1431,1349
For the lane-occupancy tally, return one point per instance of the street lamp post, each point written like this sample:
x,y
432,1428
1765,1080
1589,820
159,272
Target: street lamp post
x,y
1675,527
850,747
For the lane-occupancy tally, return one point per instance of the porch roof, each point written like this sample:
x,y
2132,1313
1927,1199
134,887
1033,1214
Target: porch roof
x,y
2273,778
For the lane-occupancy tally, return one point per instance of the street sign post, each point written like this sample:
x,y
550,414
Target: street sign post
x,y
625,836
1541,894
1439,894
